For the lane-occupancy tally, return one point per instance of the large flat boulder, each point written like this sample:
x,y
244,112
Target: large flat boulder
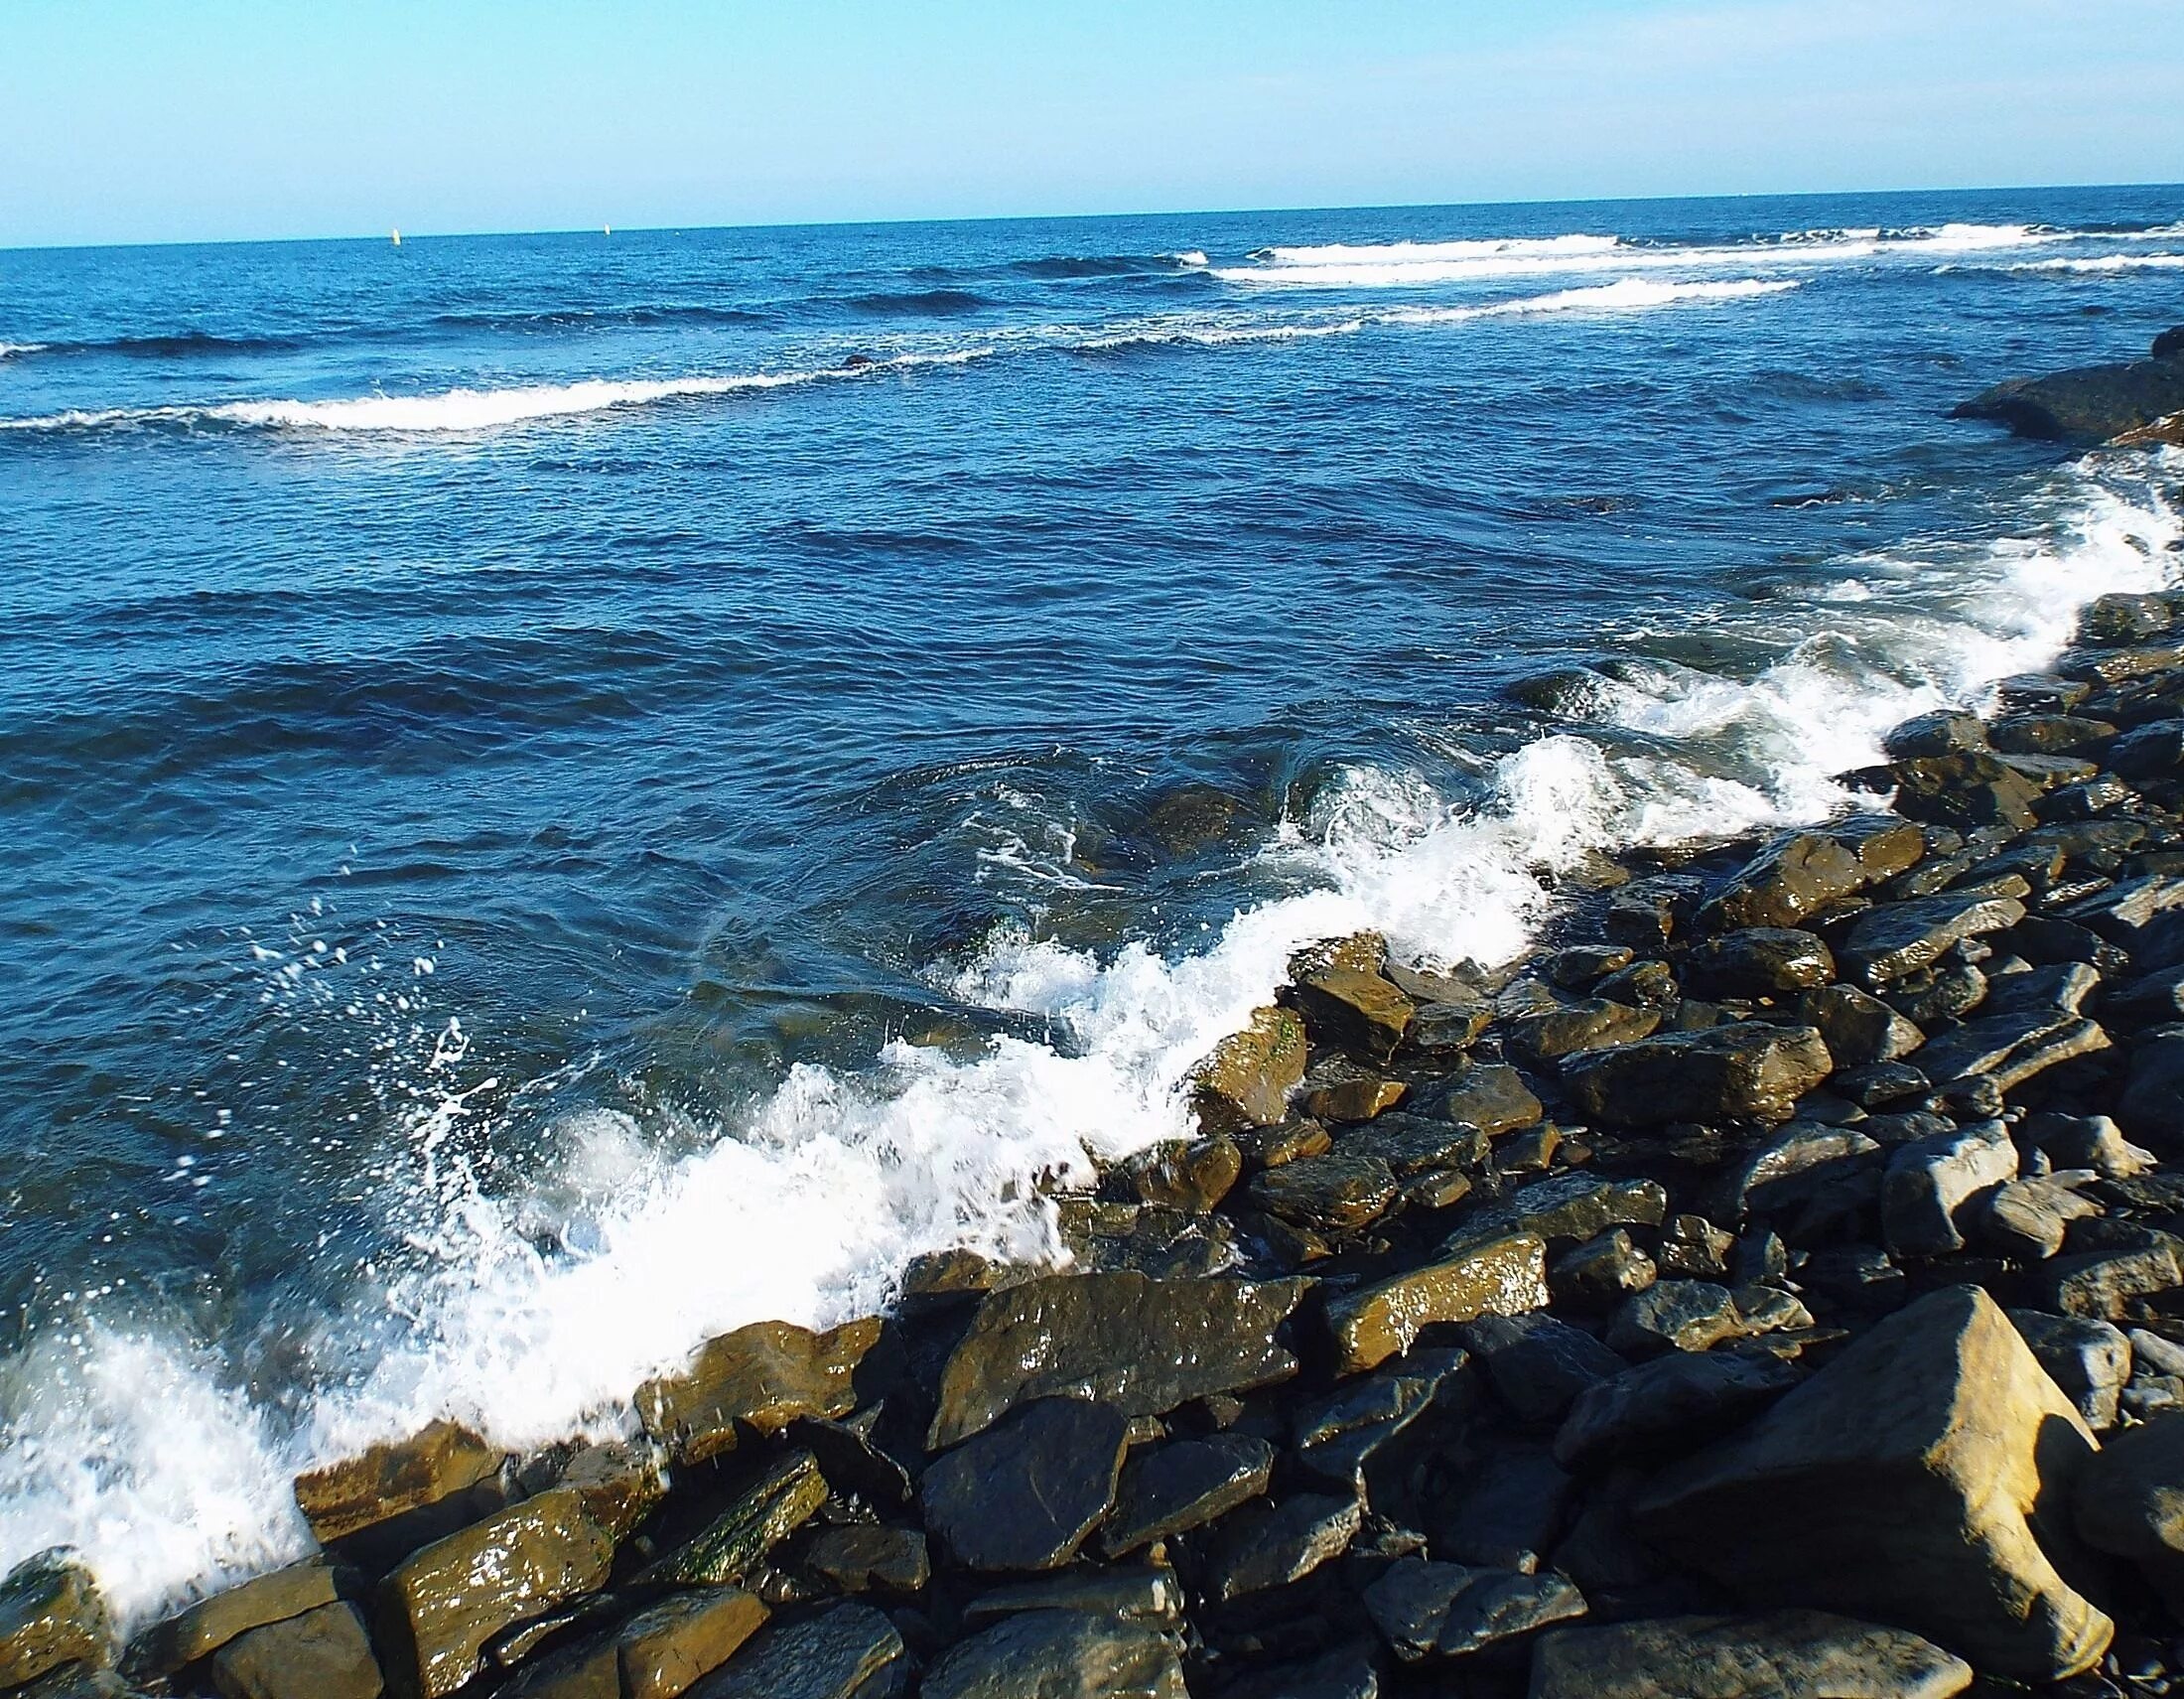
x,y
1025,1493
850,1652
1498,1276
758,1379
1347,1001
1784,1655
2089,404
1799,875
212,1623
1144,1345
394,1479
1745,1072
325,1654
1920,1478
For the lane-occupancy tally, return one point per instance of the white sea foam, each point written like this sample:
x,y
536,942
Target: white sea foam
x,y
135,1450
10,348
2095,264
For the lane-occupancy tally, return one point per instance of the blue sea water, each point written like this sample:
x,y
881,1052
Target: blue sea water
x,y
562,794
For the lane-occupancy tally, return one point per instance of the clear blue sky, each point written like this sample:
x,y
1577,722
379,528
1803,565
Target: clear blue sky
x,y
141,120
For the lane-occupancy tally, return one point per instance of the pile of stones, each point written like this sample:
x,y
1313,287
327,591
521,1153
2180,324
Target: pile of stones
x,y
1771,1288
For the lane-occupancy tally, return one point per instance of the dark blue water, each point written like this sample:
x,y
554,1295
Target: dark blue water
x,y
560,794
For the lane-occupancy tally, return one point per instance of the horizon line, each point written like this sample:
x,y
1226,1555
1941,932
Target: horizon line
x,y
607,226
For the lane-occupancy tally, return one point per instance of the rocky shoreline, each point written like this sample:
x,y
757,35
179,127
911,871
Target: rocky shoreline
x,y
1770,1287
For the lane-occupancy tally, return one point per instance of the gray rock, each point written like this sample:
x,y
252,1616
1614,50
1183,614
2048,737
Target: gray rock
x,y
1338,1433
2159,1355
1512,1509
1694,1248
1808,1177
1538,1366
1028,1492
1145,1345
324,1654
1183,1484
1784,1655
1271,1544
1059,1654
1931,1181
1861,1030
861,1557
1600,1274
2103,1285
1574,1206
1675,1403
1897,938
2084,1141
1411,1145
2152,1105
850,1651
1346,1672
1674,1314
2029,1217
2089,1359
2010,1048
2129,1502
1448,1609
1137,1592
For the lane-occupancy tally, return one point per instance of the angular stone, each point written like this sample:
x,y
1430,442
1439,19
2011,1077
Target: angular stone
x,y
1338,1433
1897,938
1744,1071
732,1545
1860,1029
858,1557
1267,1544
1246,1080
1025,1493
2130,1502
212,1623
1492,1097
1674,1314
761,1378
1341,1090
1144,1345
437,1611
1194,1175
1411,1145
2089,1359
2009,1048
1184,1485
1332,1192
663,1649
1784,1655
2029,1217
1694,1248
2085,1141
1899,1480
50,1613
1428,1610
1574,1206
1595,1024
1759,962
848,1652
1501,1276
391,1480
620,1485
2104,1285
1345,999
1674,1404
1930,1183
1059,1654
325,1654
1799,875
1515,1502
2152,1105
1138,1592
1600,1274
1538,1366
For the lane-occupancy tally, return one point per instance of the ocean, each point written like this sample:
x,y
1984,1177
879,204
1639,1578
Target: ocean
x,y
563,794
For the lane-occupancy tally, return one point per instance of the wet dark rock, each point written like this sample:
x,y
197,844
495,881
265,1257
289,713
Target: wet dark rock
x,y
1441,1027
1059,1654
1516,1503
2028,1218
864,1557
2089,404
1784,1655
1289,1141
2049,734
1674,1314
1643,984
2152,1108
732,1545
1532,1151
2120,618
1600,1274
1898,1480
1860,1031
1172,1489
1346,1672
1492,1097
1647,912
1745,1072
1939,994
1759,962
1341,1090
1579,965
1805,872
2149,999
1337,1435
1246,1080
2084,1141
2089,1359
1427,1609
1808,1180
1930,1184
1028,1492
1672,1404
324,1654
850,1651
2129,1502
1499,1276
1347,1002
1595,1024
1144,1345
212,1623
1574,1206
1194,1175
757,1379
2123,914
1411,1145
666,1647
1538,1365
440,1609
853,1464
1692,1248
1898,938
394,1479
1271,1544
50,1613
620,1485
2010,1048
1139,1592
1333,1192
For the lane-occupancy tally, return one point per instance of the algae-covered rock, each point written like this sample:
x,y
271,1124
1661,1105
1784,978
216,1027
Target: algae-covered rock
x,y
1142,1344
1501,1276
736,1542
760,1377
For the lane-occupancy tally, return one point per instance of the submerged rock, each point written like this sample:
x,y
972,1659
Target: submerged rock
x,y
1784,1655
2089,404
1025,1493
1900,1480
1144,1345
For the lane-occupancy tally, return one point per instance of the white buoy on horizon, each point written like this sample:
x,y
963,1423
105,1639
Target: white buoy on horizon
x,y
397,238
606,229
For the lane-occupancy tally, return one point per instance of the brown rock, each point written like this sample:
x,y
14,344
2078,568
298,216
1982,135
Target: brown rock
x,y
50,1613
323,1654
1193,1176
391,1479
1744,1071
1494,1277
762,1377
212,1623
661,1651
1345,999
1246,1080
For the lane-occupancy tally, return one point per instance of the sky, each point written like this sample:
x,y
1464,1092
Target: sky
x,y
155,120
